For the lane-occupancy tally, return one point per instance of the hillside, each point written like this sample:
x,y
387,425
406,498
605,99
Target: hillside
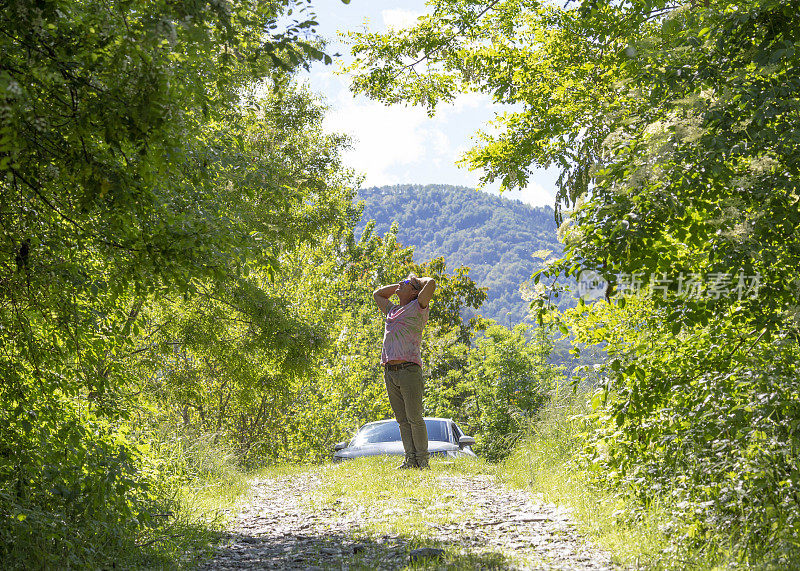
x,y
494,236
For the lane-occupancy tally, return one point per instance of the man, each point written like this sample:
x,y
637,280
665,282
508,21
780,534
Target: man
x,y
402,362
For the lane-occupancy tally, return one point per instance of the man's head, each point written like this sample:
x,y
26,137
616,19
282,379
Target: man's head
x,y
408,289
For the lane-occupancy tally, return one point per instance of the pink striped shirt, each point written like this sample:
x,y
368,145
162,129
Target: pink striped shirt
x,y
402,335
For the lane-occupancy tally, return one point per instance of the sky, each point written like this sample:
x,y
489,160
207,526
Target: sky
x,y
400,144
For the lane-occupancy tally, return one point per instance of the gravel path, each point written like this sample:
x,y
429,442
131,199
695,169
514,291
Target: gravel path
x,y
501,528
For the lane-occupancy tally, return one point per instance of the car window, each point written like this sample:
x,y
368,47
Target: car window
x,y
456,433
437,430
390,432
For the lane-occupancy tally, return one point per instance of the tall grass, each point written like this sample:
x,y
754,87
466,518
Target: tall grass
x,y
210,476
544,461
206,484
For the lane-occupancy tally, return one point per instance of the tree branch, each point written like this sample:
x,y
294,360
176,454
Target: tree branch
x,y
55,209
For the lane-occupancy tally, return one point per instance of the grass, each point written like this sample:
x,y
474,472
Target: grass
x,y
411,505
543,463
405,503
215,497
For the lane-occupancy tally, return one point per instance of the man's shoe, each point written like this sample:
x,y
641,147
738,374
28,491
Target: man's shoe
x,y
422,464
407,464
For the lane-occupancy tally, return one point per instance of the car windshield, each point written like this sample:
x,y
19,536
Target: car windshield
x,y
390,432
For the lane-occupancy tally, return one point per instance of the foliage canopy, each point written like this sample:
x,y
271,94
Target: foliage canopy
x,y
675,126
138,168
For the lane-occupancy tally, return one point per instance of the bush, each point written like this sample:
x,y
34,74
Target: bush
x,y
80,494
547,461
705,424
496,387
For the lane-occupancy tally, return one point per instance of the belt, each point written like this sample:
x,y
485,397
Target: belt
x,y
398,366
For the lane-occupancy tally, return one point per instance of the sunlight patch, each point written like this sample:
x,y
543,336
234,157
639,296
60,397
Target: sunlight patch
x,y
397,18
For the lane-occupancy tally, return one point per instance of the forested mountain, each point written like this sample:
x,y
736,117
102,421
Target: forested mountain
x,y
494,236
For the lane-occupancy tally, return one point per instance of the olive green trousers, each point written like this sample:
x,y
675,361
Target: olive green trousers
x,y
405,388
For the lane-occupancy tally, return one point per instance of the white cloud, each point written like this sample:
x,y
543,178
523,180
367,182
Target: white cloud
x,y
398,144
440,146
396,19
465,103
534,194
384,138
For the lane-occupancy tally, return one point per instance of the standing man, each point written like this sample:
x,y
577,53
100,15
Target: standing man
x,y
402,362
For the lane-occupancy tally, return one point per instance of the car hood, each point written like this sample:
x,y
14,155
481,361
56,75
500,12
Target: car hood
x,y
392,448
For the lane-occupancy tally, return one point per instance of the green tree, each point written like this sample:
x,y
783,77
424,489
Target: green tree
x,y
512,380
126,141
223,360
493,385
675,128
707,416
680,118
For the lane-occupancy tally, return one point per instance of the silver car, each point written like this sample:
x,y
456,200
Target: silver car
x,y
445,439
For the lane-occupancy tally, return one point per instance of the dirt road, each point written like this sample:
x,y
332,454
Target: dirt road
x,y
282,527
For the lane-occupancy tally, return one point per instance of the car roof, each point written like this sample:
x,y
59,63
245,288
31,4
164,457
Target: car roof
x,y
393,420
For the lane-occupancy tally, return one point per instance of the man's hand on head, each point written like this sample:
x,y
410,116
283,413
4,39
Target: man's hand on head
x,y
382,295
426,293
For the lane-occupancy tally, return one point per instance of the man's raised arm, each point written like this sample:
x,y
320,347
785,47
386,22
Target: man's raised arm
x,y
426,293
382,295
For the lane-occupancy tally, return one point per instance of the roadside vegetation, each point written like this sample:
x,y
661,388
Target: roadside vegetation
x,y
552,460
185,279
